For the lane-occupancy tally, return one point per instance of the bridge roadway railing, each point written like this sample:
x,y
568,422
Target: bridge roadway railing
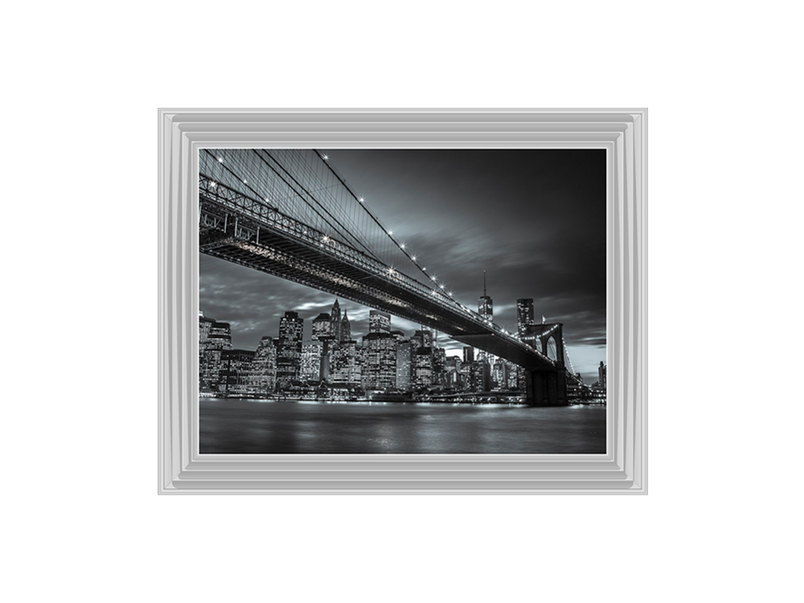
x,y
270,217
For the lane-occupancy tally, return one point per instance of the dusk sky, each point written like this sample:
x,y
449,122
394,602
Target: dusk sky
x,y
534,220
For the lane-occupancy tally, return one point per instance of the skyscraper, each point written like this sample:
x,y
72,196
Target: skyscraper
x,y
379,371
289,348
346,329
524,314
485,307
335,317
322,326
468,354
265,366
379,322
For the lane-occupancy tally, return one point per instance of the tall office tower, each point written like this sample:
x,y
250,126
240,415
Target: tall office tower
x,y
425,336
322,326
499,374
346,329
344,364
439,377
485,307
452,369
524,314
311,360
403,364
335,317
289,348
601,375
379,370
422,368
468,354
379,322
265,366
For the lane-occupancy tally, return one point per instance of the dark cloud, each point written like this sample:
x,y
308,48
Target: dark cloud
x,y
533,219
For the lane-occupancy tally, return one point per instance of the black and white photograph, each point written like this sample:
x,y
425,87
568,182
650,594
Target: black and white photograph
x,y
403,301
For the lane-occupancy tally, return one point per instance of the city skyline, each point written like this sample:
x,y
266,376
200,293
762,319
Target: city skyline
x,y
534,220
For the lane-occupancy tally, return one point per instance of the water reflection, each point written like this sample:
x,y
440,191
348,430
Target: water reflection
x,y
311,427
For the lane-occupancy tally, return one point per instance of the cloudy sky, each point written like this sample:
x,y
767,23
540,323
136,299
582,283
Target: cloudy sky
x,y
534,220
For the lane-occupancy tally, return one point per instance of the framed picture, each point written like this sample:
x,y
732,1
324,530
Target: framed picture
x,y
402,301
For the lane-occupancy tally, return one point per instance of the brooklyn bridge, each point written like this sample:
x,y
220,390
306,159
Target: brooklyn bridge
x,y
290,213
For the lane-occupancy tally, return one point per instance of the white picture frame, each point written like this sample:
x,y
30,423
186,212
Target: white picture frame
x,y
622,470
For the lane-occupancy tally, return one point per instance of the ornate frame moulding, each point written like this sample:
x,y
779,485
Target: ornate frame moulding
x,y
623,469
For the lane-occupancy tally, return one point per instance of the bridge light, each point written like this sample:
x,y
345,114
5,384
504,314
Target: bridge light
x,y
220,159
362,200
414,258
402,245
424,269
245,182
390,232
326,156
213,184
442,286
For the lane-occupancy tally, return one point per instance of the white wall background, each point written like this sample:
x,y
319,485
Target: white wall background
x,y
82,83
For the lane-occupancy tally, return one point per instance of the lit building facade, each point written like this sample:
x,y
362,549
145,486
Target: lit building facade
x,y
322,326
344,364
403,365
311,360
379,322
265,366
240,377
379,370
288,349
524,314
422,360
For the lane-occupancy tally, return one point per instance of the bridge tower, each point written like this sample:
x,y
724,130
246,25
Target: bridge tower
x,y
546,387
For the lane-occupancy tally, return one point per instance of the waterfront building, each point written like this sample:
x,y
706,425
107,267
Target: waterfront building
x,y
379,370
439,367
344,364
468,354
452,372
265,366
524,314
311,360
289,348
403,365
379,322
239,375
499,374
422,368
214,338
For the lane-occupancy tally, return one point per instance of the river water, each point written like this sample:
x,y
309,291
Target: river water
x,y
265,427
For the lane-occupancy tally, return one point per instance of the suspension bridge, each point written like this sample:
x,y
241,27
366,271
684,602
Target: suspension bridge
x,y
289,213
